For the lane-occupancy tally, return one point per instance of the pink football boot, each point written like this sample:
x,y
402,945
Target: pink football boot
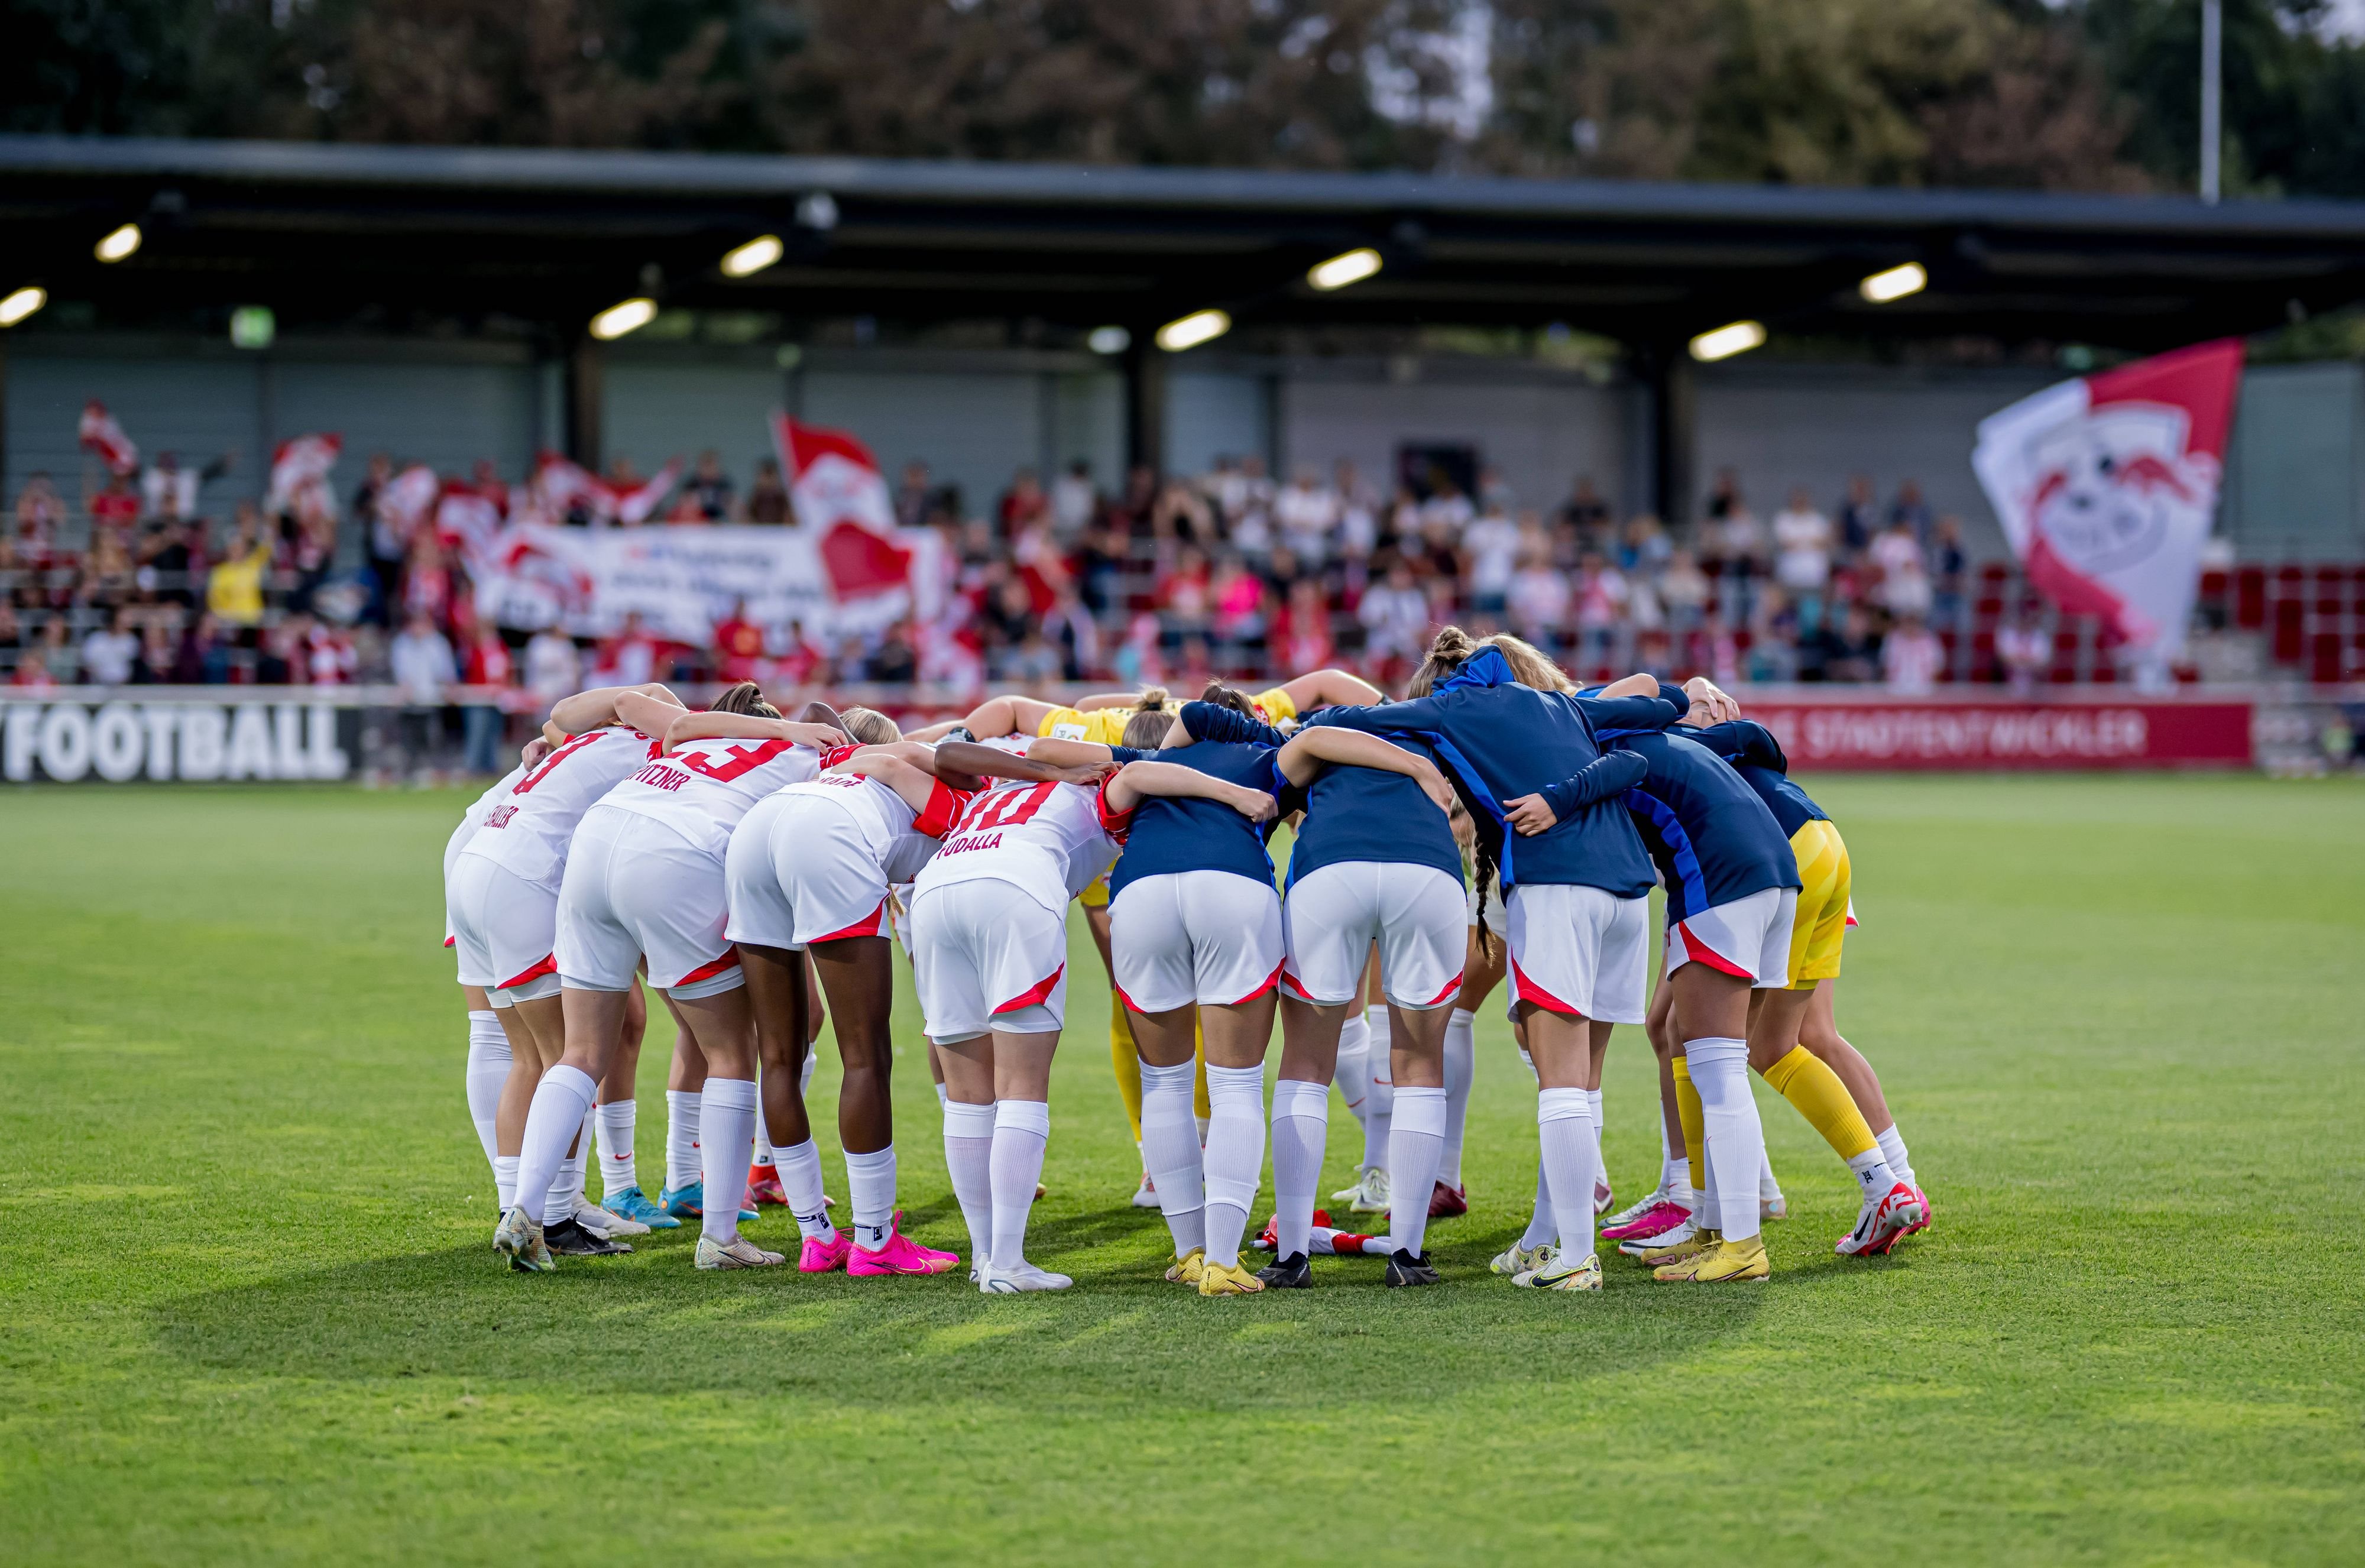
x,y
902,1255
1658,1218
821,1257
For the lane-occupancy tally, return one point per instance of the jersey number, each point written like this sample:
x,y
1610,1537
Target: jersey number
x,y
1006,808
526,784
743,759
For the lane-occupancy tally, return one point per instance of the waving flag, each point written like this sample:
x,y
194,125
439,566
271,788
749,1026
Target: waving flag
x,y
562,482
837,491
2106,486
102,435
636,504
300,466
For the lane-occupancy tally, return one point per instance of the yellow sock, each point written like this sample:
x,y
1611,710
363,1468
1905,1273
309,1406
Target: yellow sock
x,y
1803,1079
1199,1105
1694,1120
1127,1063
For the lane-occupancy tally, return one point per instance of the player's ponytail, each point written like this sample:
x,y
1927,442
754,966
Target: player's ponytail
x,y
1530,664
745,697
1147,729
1230,696
1448,651
868,727
1153,699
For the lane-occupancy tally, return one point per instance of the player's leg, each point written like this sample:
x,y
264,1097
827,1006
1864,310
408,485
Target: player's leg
x,y
857,975
1711,1012
1022,1132
1821,1034
619,1118
1481,970
599,1133
1301,1125
1125,1062
684,1194
487,1074
591,1027
1236,955
779,1002
1664,1218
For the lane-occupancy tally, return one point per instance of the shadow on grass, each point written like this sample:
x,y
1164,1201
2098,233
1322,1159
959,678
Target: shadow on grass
x,y
652,1324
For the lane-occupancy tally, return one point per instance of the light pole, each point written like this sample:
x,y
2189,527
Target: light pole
x,y
2212,107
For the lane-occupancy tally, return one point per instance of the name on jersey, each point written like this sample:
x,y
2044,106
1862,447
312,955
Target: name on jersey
x,y
500,816
974,841
658,775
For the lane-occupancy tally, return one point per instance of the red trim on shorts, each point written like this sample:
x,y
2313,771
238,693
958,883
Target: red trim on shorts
x,y
1130,1005
1035,994
451,941
1293,985
1698,951
1438,999
549,966
1269,982
867,926
708,970
1531,992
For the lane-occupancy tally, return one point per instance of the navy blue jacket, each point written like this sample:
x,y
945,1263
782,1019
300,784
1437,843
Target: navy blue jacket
x,y
1757,756
1352,814
1711,836
1499,740
1173,833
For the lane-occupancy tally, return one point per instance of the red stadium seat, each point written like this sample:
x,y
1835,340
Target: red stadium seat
x,y
2250,598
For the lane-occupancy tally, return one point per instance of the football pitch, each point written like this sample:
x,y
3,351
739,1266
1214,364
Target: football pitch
x,y
248,1311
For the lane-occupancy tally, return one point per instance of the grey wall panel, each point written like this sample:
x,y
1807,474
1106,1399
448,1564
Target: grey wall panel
x,y
1780,426
654,411
199,407
1539,436
446,416
1087,422
1212,414
2291,475
972,428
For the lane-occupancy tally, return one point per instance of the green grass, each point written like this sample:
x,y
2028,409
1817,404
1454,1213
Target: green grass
x,y
247,1311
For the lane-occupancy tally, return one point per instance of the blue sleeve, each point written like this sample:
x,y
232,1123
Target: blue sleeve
x,y
1423,713
1677,695
1613,772
1631,713
1123,754
1214,721
1740,741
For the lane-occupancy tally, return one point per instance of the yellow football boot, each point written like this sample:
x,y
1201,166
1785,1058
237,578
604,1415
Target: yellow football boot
x,y
1734,1262
1187,1269
1217,1280
1699,1242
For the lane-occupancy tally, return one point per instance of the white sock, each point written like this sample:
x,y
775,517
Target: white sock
x,y
1675,1169
1600,1163
871,1192
804,1073
1234,1157
1170,1152
505,1166
682,1168
1022,1130
1892,1149
1871,1171
1540,1226
1382,1099
1461,1068
944,1097
726,1121
1353,1073
800,1169
567,1189
1565,1131
765,1154
969,1159
489,1070
551,1124
1736,1140
619,1174
1416,1144
1301,1125
1768,1189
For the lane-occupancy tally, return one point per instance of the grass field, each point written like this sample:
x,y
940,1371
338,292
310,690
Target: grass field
x,y
247,1310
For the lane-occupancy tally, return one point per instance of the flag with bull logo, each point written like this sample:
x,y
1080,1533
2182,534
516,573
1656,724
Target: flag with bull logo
x,y
2106,487
837,491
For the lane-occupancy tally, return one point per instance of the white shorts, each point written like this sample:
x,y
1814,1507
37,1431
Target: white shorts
x,y
1334,914
986,956
1579,950
636,888
1212,937
1749,938
504,931
800,870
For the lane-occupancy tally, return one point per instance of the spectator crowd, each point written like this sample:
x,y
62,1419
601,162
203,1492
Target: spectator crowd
x,y
1159,579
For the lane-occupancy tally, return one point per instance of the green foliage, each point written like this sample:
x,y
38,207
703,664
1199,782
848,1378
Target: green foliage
x,y
248,1314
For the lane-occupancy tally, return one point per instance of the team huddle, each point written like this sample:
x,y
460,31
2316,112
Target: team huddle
x,y
1500,827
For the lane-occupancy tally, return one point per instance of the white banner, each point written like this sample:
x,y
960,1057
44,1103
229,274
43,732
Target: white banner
x,y
200,741
682,581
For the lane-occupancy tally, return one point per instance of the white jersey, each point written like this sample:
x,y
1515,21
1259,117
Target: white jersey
x,y
528,829
903,839
1050,840
474,818
705,786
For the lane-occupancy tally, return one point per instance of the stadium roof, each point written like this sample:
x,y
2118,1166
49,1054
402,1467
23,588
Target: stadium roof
x,y
324,232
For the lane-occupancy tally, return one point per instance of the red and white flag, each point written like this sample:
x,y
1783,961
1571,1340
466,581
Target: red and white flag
x,y
298,465
838,492
2106,486
102,435
639,502
407,498
561,482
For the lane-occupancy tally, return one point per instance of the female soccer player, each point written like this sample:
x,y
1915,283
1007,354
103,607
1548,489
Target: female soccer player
x,y
1374,862
809,873
1576,895
489,1047
1789,1031
645,875
502,903
992,970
